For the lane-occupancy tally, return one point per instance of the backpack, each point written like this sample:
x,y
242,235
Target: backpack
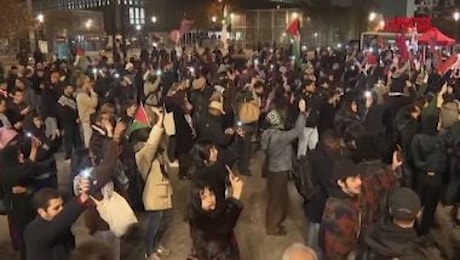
x,y
302,177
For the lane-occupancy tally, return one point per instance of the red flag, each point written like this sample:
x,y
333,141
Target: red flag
x,y
443,67
293,29
401,44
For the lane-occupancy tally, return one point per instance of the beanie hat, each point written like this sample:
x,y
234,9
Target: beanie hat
x,y
344,169
274,119
6,136
449,115
404,204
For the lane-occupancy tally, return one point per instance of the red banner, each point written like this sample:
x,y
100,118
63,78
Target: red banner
x,y
403,24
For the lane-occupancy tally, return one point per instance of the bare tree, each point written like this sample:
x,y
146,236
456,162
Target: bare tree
x,y
15,19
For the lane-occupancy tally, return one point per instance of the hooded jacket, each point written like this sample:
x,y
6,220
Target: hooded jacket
x,y
278,142
385,240
428,148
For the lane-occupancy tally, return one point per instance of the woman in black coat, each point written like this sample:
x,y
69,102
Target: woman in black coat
x,y
46,169
211,230
177,103
210,166
16,179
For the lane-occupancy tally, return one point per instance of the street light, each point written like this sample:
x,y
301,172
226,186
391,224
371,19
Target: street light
x,y
89,23
214,19
40,18
316,38
372,16
138,27
154,19
295,15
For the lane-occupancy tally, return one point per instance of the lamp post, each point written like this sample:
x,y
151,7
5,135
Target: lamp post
x,y
316,38
456,18
154,19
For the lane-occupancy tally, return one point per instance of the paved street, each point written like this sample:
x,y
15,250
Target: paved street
x,y
253,242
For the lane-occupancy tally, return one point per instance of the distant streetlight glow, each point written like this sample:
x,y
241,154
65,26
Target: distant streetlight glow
x,y
372,16
214,19
138,27
316,35
40,18
89,23
154,19
232,15
457,16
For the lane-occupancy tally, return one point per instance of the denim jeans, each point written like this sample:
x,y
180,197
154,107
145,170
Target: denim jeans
x,y
307,140
313,237
156,226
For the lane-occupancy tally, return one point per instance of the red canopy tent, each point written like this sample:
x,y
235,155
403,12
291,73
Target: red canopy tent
x,y
434,36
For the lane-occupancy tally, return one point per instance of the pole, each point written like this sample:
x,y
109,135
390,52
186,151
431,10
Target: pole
x,y
224,32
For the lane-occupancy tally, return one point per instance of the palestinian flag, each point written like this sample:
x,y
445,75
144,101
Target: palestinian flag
x,y
293,32
140,121
444,67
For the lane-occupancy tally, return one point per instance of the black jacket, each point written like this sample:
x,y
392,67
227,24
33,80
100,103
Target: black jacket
x,y
50,97
321,170
212,237
67,112
53,239
210,129
385,240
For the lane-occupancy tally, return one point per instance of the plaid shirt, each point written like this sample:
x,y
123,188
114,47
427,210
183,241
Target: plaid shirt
x,y
345,217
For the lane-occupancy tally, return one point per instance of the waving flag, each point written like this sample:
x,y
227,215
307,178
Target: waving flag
x,y
140,121
401,44
444,67
293,31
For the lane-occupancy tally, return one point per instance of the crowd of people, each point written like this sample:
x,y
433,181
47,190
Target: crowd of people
x,y
373,137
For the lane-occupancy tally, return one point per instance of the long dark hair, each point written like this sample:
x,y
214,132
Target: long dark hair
x,y
201,152
194,210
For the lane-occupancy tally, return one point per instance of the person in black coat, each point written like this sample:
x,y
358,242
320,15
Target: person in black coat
x,y
69,121
17,179
211,231
185,136
49,235
210,166
46,168
321,162
429,155
393,103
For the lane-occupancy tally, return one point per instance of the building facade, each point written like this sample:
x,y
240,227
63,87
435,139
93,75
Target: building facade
x,y
117,14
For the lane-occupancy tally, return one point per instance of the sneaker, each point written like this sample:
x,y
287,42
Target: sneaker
x,y
174,164
163,251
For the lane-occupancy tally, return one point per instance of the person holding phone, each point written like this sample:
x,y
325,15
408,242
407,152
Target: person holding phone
x,y
213,232
17,175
